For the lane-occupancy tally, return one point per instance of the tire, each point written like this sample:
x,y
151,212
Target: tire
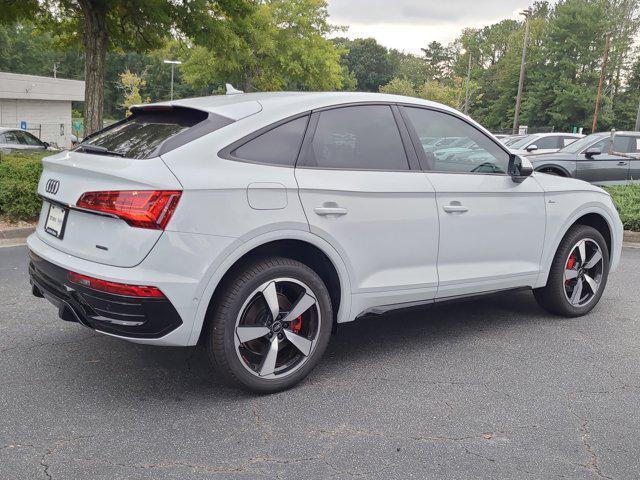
x,y
561,295
243,306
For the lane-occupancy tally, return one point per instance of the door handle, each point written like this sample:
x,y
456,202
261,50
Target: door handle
x,y
622,164
324,211
455,208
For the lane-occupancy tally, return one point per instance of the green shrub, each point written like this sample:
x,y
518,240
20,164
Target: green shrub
x,y
627,199
19,175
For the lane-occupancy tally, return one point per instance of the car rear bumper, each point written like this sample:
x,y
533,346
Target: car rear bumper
x,y
132,317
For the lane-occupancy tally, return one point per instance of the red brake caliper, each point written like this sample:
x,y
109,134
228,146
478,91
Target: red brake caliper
x,y
570,264
296,325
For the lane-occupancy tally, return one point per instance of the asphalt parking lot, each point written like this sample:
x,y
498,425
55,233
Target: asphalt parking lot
x,y
490,388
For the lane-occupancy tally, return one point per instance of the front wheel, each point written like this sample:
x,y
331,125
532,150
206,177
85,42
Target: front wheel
x,y
578,273
271,325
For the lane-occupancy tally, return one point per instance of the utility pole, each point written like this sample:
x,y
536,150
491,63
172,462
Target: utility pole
x,y
516,116
600,82
466,92
638,119
55,69
173,64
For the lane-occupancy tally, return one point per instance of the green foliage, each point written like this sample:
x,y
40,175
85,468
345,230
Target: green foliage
x,y
371,63
131,84
281,45
19,175
399,86
627,200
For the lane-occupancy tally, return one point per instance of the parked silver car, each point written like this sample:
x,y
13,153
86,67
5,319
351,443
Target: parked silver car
x,y
16,139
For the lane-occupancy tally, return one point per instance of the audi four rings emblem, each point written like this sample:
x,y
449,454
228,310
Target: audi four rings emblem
x,y
52,186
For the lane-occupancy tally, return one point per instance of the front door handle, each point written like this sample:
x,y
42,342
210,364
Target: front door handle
x,y
455,208
324,211
622,164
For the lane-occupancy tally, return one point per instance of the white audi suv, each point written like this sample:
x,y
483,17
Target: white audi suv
x,y
255,223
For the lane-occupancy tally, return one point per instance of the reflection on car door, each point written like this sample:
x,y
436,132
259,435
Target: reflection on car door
x,y
359,194
491,228
606,168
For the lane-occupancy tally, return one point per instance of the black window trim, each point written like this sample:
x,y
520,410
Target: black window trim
x,y
420,151
210,124
313,124
228,152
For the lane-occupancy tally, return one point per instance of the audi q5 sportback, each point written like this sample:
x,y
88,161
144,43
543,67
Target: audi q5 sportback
x,y
254,223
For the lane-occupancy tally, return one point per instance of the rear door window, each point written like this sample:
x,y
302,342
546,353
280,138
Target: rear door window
x,y
143,133
357,138
547,142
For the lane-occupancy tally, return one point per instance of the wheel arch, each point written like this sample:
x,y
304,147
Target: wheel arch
x,y
555,168
593,215
305,247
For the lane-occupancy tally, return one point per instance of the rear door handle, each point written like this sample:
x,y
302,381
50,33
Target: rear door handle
x,y
622,164
324,211
455,208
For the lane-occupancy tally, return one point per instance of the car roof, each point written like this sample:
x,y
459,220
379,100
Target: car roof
x,y
237,106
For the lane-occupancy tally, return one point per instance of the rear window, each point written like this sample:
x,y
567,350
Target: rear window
x,y
144,132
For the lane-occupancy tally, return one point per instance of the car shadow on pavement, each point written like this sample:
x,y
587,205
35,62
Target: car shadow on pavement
x,y
151,372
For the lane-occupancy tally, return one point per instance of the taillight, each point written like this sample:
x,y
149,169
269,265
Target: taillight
x,y
115,288
139,208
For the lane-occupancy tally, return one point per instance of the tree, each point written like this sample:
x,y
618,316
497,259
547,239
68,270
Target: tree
x,y
101,25
370,62
131,83
399,86
281,45
438,59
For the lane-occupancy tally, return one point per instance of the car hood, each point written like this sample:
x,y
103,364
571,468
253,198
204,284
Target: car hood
x,y
555,183
551,157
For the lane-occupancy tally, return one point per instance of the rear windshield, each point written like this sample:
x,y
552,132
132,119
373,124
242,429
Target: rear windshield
x,y
143,132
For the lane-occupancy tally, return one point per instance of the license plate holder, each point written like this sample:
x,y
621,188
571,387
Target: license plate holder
x,y
56,220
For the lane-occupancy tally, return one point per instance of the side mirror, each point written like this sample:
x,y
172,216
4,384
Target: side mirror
x,y
592,152
46,144
532,148
519,168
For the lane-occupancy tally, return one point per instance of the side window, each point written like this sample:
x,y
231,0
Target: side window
x,y
620,144
357,138
30,139
278,146
10,137
567,141
472,152
547,142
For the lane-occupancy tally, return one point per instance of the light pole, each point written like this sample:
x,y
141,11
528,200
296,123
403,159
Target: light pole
x,y
173,65
516,116
638,119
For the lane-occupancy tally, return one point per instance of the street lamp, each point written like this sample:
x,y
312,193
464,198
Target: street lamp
x,y
173,65
516,117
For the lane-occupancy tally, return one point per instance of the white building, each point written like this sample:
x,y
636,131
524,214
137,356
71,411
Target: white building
x,y
44,103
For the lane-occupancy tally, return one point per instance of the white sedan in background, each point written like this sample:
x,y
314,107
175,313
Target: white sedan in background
x,y
542,143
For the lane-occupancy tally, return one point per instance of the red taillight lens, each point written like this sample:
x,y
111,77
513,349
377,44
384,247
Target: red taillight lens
x,y
115,288
139,208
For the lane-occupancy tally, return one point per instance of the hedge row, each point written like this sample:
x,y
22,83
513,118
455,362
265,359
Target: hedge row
x,y
627,199
19,174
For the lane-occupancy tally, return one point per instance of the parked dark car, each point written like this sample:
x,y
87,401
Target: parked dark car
x,y
14,139
591,159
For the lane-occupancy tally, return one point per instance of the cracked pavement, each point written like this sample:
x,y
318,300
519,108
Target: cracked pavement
x,y
488,388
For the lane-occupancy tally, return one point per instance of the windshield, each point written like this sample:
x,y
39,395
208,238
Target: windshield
x,y
141,134
509,141
521,142
582,143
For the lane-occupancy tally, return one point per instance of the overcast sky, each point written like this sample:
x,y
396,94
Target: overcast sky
x,y
411,24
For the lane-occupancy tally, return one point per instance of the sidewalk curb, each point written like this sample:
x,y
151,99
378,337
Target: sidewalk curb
x,y
16,233
631,237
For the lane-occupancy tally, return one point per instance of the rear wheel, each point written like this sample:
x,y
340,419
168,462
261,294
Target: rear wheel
x,y
578,274
271,325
